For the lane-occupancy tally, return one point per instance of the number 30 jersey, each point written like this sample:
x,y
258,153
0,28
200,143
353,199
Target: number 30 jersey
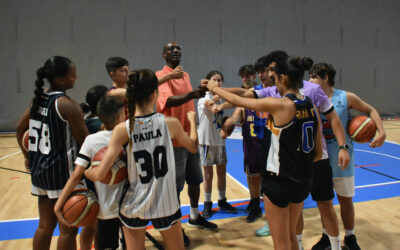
x,y
52,148
151,170
291,151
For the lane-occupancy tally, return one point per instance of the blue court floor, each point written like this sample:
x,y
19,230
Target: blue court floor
x,y
377,176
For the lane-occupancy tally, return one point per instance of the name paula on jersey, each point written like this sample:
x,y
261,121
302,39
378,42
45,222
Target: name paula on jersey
x,y
147,136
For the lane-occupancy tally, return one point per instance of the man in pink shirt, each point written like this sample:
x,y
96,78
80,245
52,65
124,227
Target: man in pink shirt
x,y
175,98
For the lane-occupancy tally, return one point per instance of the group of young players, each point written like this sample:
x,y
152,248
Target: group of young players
x,y
285,154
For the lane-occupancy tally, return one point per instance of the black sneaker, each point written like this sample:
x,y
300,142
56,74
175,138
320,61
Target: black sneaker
x,y
323,243
223,205
200,222
248,208
207,212
186,240
350,242
254,214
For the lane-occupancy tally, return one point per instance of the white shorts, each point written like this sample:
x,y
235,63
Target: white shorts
x,y
212,155
344,186
51,194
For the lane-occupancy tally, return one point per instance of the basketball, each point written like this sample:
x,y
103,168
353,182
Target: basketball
x,y
81,208
25,141
361,129
118,171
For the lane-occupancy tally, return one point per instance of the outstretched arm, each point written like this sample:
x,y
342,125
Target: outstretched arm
x,y
358,104
118,92
176,131
230,122
178,100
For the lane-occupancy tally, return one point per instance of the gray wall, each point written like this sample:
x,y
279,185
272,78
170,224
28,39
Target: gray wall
x,y
361,38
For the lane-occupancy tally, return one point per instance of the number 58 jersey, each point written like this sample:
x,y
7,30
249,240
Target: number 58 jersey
x,y
52,148
151,170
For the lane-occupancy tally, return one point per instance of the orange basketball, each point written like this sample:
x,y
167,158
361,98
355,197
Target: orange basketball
x,y
81,208
361,129
118,171
25,141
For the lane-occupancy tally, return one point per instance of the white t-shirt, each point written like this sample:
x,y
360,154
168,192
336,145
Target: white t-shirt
x,y
209,123
108,195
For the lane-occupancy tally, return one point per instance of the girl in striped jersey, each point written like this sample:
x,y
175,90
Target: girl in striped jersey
x,y
294,144
151,193
56,128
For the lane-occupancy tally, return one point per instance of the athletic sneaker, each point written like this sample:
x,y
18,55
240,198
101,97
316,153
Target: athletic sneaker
x,y
350,242
207,212
264,231
254,214
248,208
323,243
200,222
186,240
223,205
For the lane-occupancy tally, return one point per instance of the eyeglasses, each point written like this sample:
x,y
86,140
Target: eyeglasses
x,y
172,48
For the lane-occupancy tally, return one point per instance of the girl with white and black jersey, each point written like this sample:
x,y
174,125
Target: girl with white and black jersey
x,y
151,194
56,129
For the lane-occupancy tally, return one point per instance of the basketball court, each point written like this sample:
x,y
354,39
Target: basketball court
x,y
377,201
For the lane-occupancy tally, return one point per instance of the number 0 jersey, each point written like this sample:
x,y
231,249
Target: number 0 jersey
x,y
291,150
151,170
52,148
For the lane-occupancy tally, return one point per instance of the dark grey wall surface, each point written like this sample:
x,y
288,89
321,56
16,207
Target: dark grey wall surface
x,y
360,38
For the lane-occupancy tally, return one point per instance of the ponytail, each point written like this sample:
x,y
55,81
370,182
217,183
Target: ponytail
x,y
133,79
56,66
39,83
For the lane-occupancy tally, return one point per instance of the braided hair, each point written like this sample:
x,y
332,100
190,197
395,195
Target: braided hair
x,y
56,66
141,84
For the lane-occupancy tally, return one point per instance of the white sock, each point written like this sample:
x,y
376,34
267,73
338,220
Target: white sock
x,y
207,197
194,213
324,231
349,232
221,194
335,242
300,241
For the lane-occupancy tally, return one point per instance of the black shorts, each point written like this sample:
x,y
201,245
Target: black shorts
x,y
160,224
252,169
281,191
108,233
322,184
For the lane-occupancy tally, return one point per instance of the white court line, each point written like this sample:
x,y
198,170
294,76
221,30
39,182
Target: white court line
x,y
235,200
27,219
392,142
238,182
378,184
372,152
6,156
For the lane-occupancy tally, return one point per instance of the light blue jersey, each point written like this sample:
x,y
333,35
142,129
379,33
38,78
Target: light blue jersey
x,y
339,101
